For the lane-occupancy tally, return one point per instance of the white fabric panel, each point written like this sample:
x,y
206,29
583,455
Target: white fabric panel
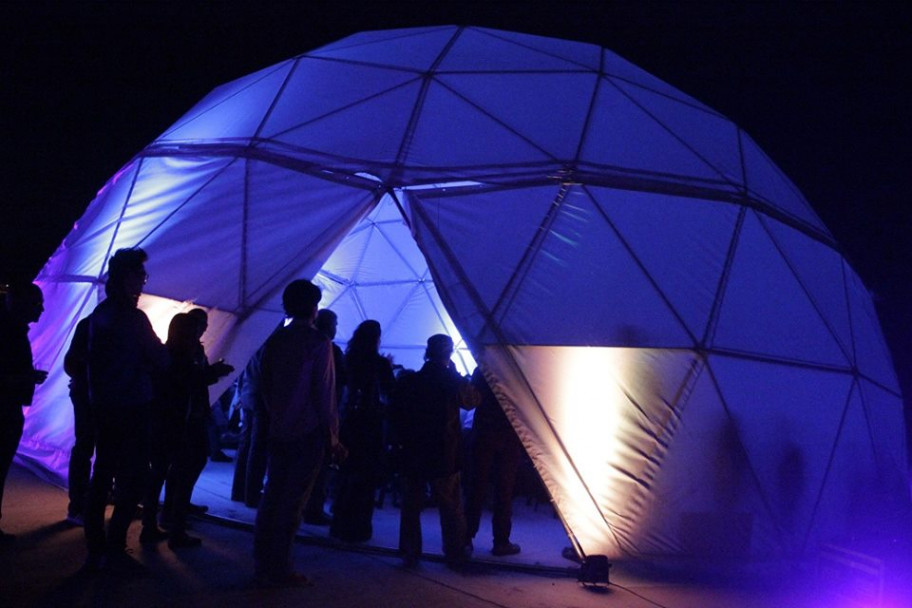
x,y
884,415
386,47
871,354
511,52
478,241
710,136
84,251
623,134
788,420
452,132
820,270
202,228
320,89
233,110
767,182
549,110
376,140
682,246
596,420
582,255
766,311
294,221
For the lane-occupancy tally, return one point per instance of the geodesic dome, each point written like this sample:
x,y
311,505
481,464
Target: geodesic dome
x,y
690,362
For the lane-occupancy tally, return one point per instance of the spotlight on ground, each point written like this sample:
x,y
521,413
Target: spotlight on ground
x,y
594,571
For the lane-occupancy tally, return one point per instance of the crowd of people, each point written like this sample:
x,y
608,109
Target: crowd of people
x,y
316,425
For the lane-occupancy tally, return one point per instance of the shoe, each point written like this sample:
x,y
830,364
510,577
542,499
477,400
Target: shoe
x,y
184,541
506,548
151,535
193,509
75,519
322,519
295,579
220,456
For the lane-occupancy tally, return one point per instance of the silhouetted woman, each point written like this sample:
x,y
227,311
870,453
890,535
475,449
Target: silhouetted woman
x,y
370,379
187,395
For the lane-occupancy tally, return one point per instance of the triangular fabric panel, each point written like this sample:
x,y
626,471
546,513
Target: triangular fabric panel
x,y
871,353
320,89
766,181
580,253
521,100
788,420
386,47
84,251
234,110
511,52
333,133
766,311
622,134
820,269
493,249
619,70
453,132
308,216
682,246
710,136
702,498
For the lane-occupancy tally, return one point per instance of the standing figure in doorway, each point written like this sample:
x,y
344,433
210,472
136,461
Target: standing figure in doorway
x,y
370,381
297,382
426,418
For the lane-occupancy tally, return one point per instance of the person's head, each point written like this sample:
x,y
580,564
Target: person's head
x,y
327,322
366,337
25,302
439,349
202,320
127,274
182,331
300,300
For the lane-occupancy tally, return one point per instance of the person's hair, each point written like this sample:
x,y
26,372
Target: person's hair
x,y
437,345
300,298
325,319
361,350
182,332
123,263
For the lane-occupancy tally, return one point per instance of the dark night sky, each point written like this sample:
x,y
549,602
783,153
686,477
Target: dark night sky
x,y
823,88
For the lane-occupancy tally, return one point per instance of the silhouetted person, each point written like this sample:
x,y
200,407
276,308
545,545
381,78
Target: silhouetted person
x,y
75,364
297,383
326,323
493,448
186,394
370,380
124,354
250,464
23,304
426,419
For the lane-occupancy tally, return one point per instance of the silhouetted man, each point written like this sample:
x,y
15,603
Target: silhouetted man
x,y
326,323
22,305
426,418
75,364
297,384
123,355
